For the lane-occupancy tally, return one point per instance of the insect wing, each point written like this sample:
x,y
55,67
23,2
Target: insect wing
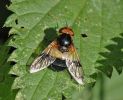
x,y
41,62
74,66
44,60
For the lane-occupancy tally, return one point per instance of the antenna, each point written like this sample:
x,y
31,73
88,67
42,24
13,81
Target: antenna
x,y
66,23
57,26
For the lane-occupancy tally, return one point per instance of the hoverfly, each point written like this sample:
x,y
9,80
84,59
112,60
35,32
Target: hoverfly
x,y
61,48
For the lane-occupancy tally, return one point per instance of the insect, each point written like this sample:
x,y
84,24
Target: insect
x,y
61,48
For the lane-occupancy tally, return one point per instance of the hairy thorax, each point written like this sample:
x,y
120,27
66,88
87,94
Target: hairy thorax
x,y
64,41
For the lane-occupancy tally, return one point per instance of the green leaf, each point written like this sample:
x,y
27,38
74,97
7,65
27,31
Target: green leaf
x,y
35,23
6,93
104,89
111,55
114,57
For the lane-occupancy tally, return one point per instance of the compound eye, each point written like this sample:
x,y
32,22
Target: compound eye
x,y
62,30
66,30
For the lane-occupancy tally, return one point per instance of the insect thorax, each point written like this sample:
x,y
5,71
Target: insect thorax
x,y
64,41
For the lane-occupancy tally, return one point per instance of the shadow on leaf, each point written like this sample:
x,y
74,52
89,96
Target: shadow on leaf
x,y
50,35
114,58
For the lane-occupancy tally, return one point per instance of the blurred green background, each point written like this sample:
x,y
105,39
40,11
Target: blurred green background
x,y
104,89
108,89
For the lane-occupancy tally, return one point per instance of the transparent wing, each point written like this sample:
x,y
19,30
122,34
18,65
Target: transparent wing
x,y
74,66
41,62
45,59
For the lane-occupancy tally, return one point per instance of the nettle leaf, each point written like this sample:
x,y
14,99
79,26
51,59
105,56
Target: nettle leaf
x,y
6,80
35,24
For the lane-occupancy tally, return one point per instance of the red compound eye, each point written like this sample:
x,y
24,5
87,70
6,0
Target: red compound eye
x,y
67,30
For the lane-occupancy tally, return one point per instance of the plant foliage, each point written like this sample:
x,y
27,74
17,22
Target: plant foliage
x,y
34,24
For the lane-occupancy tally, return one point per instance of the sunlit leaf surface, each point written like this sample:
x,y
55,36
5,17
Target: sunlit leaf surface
x,y
35,24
